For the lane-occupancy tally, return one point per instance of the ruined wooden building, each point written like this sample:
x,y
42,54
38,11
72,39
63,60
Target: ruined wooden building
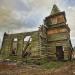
x,y
52,40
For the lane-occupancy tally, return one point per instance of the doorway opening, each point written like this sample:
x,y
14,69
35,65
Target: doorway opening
x,y
59,53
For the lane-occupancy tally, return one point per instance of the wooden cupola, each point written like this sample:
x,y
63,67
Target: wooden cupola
x,y
55,18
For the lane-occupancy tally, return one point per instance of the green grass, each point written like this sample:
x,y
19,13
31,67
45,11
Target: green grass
x,y
52,64
43,63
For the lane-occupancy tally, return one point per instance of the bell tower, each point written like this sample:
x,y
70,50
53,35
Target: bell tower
x,y
58,35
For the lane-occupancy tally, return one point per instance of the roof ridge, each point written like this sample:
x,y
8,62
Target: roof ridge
x,y
55,10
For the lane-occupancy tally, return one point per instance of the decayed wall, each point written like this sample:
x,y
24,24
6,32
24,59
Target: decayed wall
x,y
8,42
59,38
52,48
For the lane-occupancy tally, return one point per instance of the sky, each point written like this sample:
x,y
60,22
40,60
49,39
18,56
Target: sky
x,y
18,16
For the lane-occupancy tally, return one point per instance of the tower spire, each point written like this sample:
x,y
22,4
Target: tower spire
x,y
55,10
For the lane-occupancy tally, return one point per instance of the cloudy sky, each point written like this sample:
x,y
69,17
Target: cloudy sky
x,y
26,15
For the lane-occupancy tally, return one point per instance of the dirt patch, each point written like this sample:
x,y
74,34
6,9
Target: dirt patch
x,y
12,69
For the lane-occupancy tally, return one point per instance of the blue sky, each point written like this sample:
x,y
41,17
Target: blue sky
x,y
69,2
28,15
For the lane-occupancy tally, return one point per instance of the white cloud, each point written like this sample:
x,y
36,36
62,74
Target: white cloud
x,y
70,13
73,41
22,29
